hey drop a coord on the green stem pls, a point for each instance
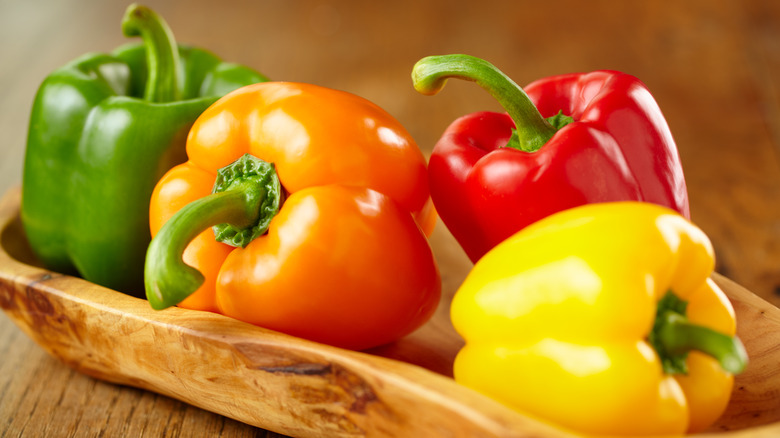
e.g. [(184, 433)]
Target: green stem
[(247, 195), (679, 336), (673, 336), (167, 278), (162, 53), (532, 131)]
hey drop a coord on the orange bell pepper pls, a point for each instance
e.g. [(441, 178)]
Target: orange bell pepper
[(327, 243)]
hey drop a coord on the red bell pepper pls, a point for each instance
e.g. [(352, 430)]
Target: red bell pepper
[(565, 141)]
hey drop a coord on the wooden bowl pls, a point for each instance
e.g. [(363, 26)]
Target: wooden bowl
[(301, 388)]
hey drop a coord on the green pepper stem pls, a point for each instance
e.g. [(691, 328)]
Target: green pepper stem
[(430, 74), (168, 280), (247, 194), (162, 54), (673, 336), (679, 336)]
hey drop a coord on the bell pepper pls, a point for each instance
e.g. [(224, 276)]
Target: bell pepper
[(601, 319), (104, 128), (564, 141), (319, 205)]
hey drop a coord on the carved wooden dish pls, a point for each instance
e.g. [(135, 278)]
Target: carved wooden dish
[(300, 388)]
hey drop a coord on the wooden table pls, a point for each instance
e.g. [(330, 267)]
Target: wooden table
[(713, 66)]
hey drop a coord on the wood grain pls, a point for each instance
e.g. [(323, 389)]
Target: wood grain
[(713, 66)]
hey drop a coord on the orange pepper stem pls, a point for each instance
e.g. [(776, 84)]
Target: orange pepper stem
[(532, 130), (673, 336), (162, 53), (246, 196)]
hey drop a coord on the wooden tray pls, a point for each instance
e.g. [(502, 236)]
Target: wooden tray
[(300, 388)]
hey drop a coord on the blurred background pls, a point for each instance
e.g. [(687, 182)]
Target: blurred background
[(712, 65)]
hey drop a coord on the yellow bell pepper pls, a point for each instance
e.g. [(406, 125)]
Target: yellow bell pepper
[(601, 319)]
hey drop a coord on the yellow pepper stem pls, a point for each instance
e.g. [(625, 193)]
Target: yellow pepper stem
[(673, 336), (679, 336)]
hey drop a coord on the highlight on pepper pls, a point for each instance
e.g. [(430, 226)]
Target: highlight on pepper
[(601, 319), (564, 141), (301, 209)]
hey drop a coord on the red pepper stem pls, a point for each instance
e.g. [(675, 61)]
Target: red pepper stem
[(162, 53), (430, 74), (247, 195)]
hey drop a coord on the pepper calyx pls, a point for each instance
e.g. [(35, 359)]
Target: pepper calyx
[(249, 171), (670, 308), (559, 120)]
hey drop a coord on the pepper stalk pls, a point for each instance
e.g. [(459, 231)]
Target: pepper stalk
[(673, 336), (162, 53), (532, 130), (247, 194)]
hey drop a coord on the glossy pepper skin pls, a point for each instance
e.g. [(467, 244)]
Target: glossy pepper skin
[(104, 128), (491, 174), (602, 319), (329, 201)]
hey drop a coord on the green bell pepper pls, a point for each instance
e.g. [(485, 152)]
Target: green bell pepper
[(103, 130)]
